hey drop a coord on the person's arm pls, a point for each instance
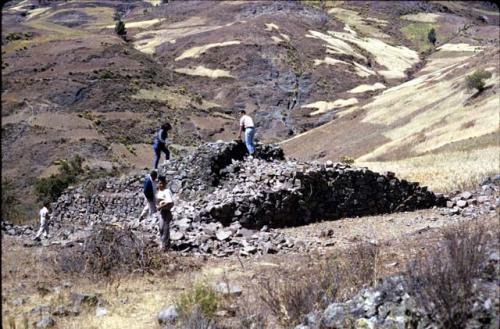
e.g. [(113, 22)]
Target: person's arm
[(167, 202), (241, 128)]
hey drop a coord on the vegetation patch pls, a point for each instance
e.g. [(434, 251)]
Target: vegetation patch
[(418, 33)]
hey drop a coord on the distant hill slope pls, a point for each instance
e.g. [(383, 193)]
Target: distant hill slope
[(70, 85)]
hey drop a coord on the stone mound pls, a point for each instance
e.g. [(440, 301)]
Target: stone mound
[(227, 203)]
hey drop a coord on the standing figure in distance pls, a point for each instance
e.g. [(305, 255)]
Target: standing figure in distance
[(165, 204), (159, 143), (44, 222), (246, 125), (149, 190)]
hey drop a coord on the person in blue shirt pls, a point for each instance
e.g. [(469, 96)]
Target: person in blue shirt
[(149, 190), (160, 143)]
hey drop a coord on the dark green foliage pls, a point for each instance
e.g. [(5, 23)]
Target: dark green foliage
[(432, 36), (50, 188), (120, 29), (10, 202), (476, 80)]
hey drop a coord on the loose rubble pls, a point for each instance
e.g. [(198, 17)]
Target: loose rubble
[(389, 305), (228, 204)]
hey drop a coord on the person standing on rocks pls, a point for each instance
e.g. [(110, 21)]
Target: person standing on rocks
[(149, 191), (160, 143), (165, 204), (44, 222), (246, 125)]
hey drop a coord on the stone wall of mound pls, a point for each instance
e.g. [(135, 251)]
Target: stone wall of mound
[(216, 184)]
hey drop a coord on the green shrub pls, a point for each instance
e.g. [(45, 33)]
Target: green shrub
[(10, 202), (476, 79), (120, 29), (347, 160), (431, 36), (202, 297), (50, 188)]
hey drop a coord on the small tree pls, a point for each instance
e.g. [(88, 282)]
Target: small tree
[(476, 80), (431, 36), (120, 29)]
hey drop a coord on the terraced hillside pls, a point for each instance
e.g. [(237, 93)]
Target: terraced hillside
[(72, 86)]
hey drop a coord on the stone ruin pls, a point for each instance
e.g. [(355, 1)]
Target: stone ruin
[(227, 203)]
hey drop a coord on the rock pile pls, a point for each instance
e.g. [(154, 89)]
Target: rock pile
[(225, 203), (389, 305)]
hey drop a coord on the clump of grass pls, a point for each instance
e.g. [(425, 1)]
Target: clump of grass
[(289, 294), (200, 300), (443, 282), (418, 34), (476, 80), (109, 251), (347, 160)]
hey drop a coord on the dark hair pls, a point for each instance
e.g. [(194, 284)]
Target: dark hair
[(243, 111), (166, 126), (162, 179), (153, 174)]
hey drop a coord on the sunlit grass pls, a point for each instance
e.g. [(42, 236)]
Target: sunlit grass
[(447, 171)]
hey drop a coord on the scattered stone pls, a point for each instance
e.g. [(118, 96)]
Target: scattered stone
[(466, 195), (100, 311), (462, 203), (228, 289), (168, 315), (46, 322), (223, 234)]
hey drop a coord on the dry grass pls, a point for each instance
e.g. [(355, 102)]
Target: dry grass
[(417, 33), (195, 52), (352, 18), (422, 17), (446, 171), (202, 71), (289, 293), (364, 88), (324, 106), (443, 281), (396, 60)]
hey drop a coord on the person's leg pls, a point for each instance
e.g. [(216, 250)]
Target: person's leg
[(46, 229), (165, 150), (145, 210), (151, 207), (249, 134), (41, 229), (157, 151)]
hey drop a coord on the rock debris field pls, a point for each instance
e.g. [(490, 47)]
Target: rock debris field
[(228, 204)]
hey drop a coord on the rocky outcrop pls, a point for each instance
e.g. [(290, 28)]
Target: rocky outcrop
[(226, 203), (216, 184)]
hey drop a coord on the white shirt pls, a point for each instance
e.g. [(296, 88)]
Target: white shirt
[(246, 121), (164, 196), (43, 213)]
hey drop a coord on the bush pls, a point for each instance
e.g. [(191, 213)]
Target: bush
[(443, 282), (290, 294), (347, 160), (202, 299), (109, 250), (120, 29), (10, 202), (50, 188), (476, 80), (431, 36)]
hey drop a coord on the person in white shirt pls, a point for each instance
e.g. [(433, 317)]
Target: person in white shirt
[(246, 125), (164, 206), (44, 222)]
